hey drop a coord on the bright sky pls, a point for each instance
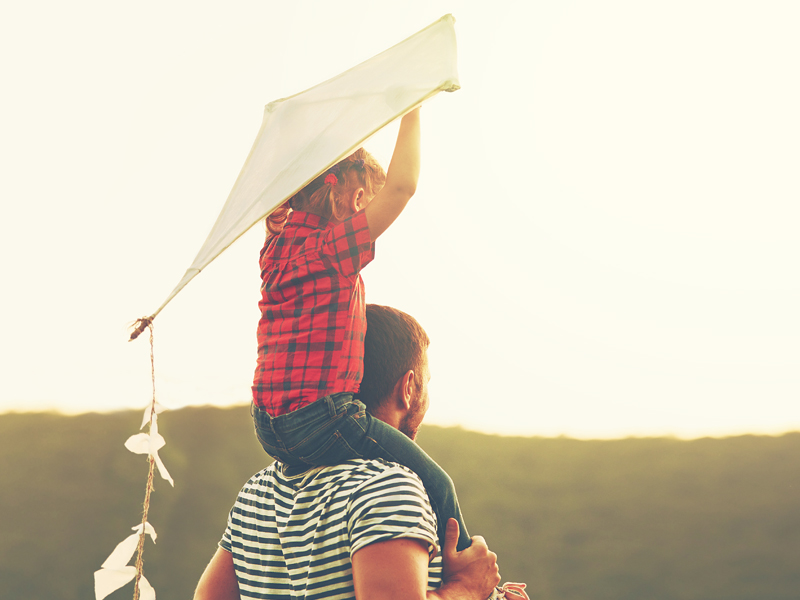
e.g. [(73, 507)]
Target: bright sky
[(603, 243)]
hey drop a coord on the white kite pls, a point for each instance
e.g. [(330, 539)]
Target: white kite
[(305, 134)]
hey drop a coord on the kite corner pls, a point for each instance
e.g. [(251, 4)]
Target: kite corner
[(273, 105), (451, 85)]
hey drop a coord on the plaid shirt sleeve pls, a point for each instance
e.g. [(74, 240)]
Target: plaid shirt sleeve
[(348, 245)]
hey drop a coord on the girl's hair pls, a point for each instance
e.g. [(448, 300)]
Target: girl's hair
[(328, 194)]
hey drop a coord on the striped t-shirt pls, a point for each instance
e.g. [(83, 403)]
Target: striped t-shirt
[(293, 537)]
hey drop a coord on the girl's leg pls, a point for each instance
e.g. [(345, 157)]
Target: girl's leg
[(384, 441), (338, 428)]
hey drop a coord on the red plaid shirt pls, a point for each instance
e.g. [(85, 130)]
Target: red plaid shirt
[(313, 315)]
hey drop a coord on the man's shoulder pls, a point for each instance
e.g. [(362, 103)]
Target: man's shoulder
[(355, 470), (356, 480), (376, 476)]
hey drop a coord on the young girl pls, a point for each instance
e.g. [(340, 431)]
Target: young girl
[(313, 319)]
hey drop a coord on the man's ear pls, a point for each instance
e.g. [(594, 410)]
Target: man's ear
[(407, 386)]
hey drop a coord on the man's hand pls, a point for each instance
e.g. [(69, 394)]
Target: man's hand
[(471, 573)]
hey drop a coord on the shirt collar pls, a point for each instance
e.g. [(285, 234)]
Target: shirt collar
[(299, 218)]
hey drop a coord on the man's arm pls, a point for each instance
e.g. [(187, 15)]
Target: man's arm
[(218, 581), (395, 569), (398, 569)]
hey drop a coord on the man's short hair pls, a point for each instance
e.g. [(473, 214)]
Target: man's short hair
[(394, 344)]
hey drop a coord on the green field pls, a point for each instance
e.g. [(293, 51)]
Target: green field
[(638, 519)]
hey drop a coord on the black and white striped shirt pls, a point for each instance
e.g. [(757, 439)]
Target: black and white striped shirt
[(293, 537)]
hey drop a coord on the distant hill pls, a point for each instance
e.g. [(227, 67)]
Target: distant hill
[(638, 519)]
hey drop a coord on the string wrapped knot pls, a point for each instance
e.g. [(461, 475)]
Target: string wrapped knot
[(139, 326)]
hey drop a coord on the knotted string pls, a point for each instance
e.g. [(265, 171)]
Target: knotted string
[(145, 322), (139, 327)]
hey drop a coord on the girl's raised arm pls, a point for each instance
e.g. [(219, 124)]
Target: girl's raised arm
[(401, 178)]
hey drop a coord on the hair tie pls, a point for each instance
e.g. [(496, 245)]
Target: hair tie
[(359, 162), (331, 179)]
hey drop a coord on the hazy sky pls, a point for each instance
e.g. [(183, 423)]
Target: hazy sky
[(603, 242)]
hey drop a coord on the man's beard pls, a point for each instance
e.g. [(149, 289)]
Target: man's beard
[(409, 425)]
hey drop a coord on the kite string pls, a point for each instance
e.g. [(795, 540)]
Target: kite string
[(151, 460)]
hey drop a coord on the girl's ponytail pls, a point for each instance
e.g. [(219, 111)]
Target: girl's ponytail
[(277, 219)]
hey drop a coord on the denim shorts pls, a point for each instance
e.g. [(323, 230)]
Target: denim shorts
[(326, 432)]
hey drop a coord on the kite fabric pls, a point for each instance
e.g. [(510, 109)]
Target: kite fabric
[(303, 135)]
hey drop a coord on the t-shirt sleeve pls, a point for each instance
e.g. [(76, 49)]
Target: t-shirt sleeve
[(234, 528), (226, 543), (392, 505), (348, 245)]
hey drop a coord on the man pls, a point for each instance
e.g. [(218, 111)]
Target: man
[(362, 528)]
